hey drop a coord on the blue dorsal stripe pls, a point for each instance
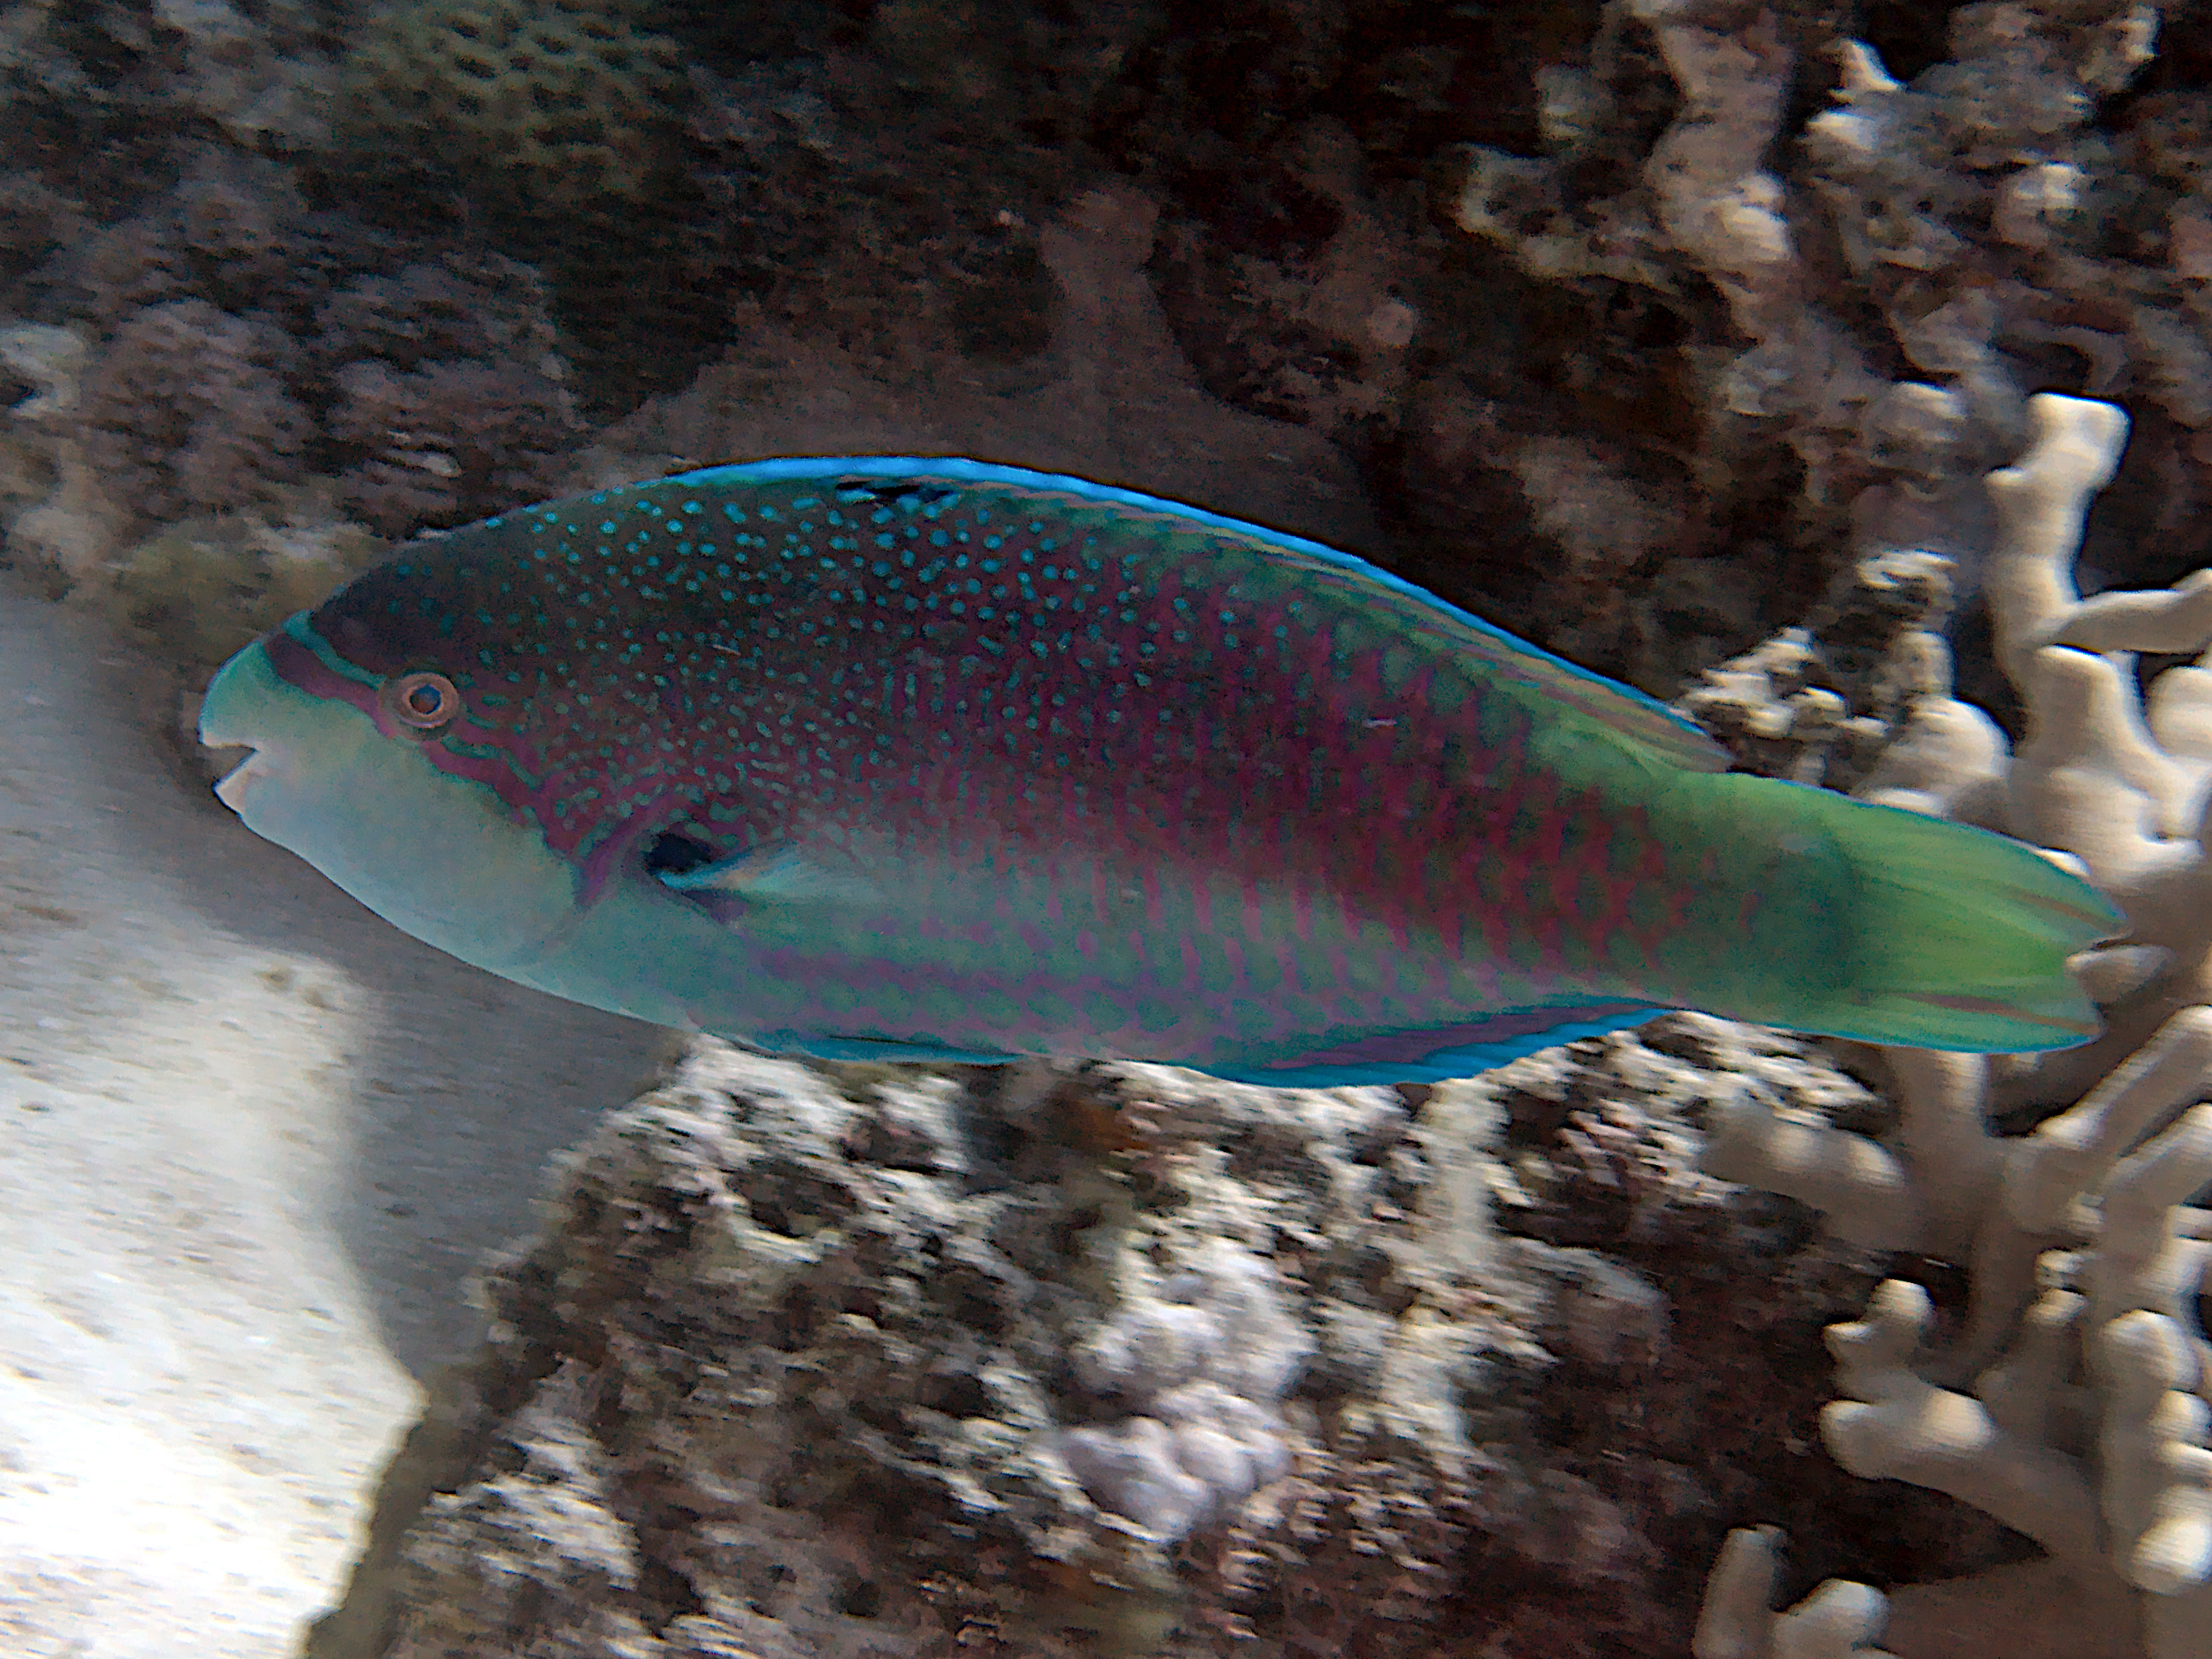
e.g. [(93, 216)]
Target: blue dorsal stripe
[(1678, 738)]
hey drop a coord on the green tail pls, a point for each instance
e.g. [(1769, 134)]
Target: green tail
[(1889, 927)]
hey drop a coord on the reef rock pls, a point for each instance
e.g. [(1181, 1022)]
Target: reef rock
[(817, 1360)]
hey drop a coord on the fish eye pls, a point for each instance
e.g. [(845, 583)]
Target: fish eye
[(423, 700)]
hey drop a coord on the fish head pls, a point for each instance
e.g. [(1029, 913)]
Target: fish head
[(380, 745)]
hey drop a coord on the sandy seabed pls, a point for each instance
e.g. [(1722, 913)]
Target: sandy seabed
[(251, 1142)]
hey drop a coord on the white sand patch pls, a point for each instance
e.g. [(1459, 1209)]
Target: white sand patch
[(251, 1141)]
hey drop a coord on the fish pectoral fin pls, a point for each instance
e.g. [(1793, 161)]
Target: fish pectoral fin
[(771, 875)]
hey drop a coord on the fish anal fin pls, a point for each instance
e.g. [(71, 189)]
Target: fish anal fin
[(817, 1045), (1439, 1054)]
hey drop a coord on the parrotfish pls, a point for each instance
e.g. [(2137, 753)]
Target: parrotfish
[(887, 757)]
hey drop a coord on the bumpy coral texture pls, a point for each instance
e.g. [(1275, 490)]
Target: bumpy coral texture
[(195, 591), (91, 85), (1821, 702), (190, 412), (819, 1360), (252, 343), (255, 350), (448, 442), (449, 399), (1725, 305), (575, 96), (60, 516), (2084, 1337), (236, 232), (1201, 1357), (434, 311)]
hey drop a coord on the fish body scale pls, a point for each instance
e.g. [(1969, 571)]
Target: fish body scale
[(1125, 781), (886, 755)]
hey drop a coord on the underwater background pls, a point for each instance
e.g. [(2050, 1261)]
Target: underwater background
[(1678, 336)]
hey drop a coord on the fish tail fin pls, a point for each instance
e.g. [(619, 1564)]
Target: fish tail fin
[(1914, 931)]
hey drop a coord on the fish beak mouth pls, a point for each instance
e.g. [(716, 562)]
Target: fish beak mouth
[(233, 723), (231, 787)]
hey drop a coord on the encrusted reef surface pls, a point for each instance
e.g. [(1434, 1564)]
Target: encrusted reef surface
[(1679, 334), (814, 1360), (1637, 322), (1117, 1360)]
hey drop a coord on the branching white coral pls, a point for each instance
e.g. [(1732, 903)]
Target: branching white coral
[(1838, 1621), (2087, 1422)]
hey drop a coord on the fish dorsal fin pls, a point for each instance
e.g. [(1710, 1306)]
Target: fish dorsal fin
[(1618, 709), (928, 485)]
